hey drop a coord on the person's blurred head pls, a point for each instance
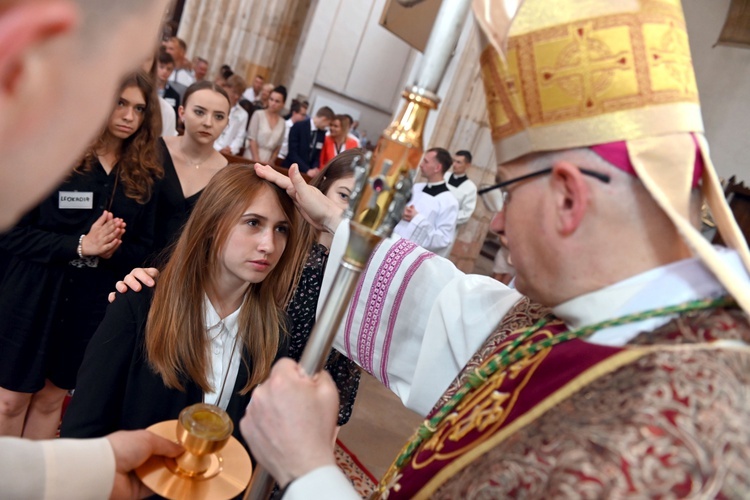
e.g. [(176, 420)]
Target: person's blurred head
[(298, 111), (235, 86), (276, 99), (265, 93), (323, 117), (349, 121), (205, 112), (461, 162), (89, 46), (258, 82), (339, 127), (164, 67), (200, 69), (336, 180), (177, 48), (435, 163), (223, 75)]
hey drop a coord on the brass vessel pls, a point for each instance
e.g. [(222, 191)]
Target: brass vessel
[(214, 466)]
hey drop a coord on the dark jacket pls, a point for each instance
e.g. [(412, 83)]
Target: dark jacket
[(118, 390), (46, 299), (304, 145)]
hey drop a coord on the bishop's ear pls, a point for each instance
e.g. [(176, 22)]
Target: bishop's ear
[(571, 196), (24, 26)]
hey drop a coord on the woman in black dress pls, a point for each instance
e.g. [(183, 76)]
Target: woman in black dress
[(210, 329), (65, 253), (190, 160)]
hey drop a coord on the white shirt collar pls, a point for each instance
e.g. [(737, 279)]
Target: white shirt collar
[(213, 320), (668, 285), (431, 184)]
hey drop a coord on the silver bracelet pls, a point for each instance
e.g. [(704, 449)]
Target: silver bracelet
[(80, 246)]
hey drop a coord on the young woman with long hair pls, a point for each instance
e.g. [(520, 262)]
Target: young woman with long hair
[(215, 324), (311, 253), (65, 253), (267, 128), (190, 160)]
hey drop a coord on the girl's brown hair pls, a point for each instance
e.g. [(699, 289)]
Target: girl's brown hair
[(204, 85), (177, 345), (138, 164)]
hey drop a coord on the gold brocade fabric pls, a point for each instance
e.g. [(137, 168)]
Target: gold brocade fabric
[(521, 316), (591, 80), (672, 424)]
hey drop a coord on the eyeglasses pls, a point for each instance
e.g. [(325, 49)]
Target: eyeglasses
[(495, 197)]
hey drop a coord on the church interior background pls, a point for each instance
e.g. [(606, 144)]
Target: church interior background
[(336, 53)]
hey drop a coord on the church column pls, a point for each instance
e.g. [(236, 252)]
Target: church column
[(252, 36), (462, 123)]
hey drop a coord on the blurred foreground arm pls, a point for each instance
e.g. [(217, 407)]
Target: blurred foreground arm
[(290, 425), (79, 468)]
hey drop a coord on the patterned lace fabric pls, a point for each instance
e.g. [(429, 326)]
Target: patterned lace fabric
[(671, 425), (301, 313)]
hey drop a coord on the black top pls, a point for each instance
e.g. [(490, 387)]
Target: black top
[(457, 181), (48, 294), (435, 189), (173, 98), (117, 390), (173, 209), (304, 146), (301, 312)]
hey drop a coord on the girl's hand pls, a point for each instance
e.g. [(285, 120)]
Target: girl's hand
[(135, 280), (121, 230), (314, 206), (103, 236)]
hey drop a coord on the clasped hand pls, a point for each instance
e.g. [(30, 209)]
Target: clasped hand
[(104, 237)]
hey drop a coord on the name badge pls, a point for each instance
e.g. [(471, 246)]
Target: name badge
[(319, 145), (76, 199)]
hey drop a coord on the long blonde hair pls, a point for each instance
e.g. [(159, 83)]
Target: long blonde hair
[(177, 347)]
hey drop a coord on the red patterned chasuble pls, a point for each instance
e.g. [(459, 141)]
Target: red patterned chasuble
[(664, 416)]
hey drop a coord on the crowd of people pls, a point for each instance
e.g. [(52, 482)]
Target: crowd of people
[(143, 195), (262, 137), (617, 366)]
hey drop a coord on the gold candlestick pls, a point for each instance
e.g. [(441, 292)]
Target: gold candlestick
[(214, 465)]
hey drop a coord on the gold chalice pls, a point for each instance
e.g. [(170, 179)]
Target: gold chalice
[(214, 465)]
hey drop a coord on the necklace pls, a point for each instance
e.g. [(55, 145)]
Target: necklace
[(512, 354), (195, 163)]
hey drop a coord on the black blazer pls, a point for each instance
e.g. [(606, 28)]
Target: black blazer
[(300, 139), (117, 390)]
